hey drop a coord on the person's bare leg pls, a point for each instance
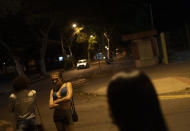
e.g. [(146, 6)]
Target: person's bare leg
[(59, 126), (70, 127)]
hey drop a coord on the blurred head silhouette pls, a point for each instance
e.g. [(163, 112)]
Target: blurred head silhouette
[(21, 82), (133, 103)]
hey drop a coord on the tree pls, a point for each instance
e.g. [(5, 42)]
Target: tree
[(67, 37), (8, 8), (15, 19), (91, 41), (16, 38), (41, 23), (82, 37), (86, 36)]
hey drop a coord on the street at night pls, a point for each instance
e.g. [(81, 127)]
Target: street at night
[(118, 65), (92, 107)]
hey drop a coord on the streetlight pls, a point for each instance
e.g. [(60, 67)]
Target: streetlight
[(107, 47), (76, 29), (74, 25), (91, 36)]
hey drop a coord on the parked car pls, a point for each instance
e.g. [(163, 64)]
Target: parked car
[(82, 64)]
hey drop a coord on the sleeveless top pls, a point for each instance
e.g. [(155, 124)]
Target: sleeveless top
[(62, 113), (22, 104), (63, 93)]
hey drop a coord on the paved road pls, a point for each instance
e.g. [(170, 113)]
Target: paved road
[(94, 114), (93, 110), (177, 113)]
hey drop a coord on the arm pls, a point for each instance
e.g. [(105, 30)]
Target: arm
[(59, 91), (12, 98), (68, 96), (51, 102)]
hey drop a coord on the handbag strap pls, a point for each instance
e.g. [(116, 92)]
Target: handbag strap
[(73, 104)]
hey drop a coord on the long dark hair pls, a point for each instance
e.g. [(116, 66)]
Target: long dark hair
[(134, 104)]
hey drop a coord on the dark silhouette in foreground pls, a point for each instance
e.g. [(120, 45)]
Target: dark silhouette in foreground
[(134, 104)]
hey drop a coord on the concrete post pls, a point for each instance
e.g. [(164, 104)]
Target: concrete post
[(164, 49)]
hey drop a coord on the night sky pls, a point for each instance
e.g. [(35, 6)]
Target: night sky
[(167, 14), (170, 14), (130, 16)]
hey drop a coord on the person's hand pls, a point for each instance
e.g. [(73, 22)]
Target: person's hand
[(53, 105)]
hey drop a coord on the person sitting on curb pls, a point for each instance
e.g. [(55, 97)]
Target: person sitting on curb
[(22, 103), (133, 103)]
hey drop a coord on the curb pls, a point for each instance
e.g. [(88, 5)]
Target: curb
[(159, 94), (183, 89)]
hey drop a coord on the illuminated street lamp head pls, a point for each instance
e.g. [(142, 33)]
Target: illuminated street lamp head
[(74, 25), (91, 36), (106, 47)]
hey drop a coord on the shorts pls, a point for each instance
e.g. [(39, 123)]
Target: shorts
[(26, 125), (64, 116)]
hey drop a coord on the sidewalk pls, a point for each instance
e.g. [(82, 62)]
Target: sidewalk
[(166, 78), (162, 85)]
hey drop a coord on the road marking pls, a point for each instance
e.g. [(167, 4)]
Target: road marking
[(175, 96)]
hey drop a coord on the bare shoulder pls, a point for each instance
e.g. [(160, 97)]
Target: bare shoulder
[(63, 85), (32, 93), (51, 91), (12, 96), (69, 83)]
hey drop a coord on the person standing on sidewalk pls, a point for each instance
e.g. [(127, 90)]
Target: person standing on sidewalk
[(60, 100), (22, 104), (133, 103)]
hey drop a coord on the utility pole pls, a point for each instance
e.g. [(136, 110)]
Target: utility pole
[(108, 48), (187, 34), (63, 51), (151, 14)]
